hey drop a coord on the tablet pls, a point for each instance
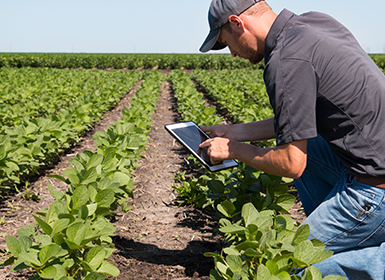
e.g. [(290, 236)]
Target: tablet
[(191, 136)]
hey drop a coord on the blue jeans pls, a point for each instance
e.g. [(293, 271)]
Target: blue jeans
[(347, 216)]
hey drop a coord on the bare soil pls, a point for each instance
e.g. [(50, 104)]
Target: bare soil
[(156, 239)]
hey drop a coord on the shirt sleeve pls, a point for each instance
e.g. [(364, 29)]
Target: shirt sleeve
[(292, 89)]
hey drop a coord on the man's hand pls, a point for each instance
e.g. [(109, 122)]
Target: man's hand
[(218, 149)]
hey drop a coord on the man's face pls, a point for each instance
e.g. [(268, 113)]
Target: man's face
[(242, 44)]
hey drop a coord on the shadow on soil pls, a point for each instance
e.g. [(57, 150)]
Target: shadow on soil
[(191, 258)]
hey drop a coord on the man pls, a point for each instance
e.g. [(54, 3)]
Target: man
[(328, 99)]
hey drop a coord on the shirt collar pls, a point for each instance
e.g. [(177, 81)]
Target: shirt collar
[(275, 31)]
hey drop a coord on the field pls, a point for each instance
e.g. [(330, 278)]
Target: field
[(85, 158)]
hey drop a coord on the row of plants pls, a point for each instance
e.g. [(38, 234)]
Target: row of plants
[(379, 59), (134, 61), (38, 92), (120, 61), (262, 241), (78, 100), (249, 82), (239, 105), (71, 239)]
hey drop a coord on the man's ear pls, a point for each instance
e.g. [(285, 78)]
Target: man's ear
[(237, 21)]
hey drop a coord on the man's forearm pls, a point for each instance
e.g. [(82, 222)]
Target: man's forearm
[(255, 131), (288, 160)]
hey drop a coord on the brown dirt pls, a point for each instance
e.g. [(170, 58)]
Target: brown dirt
[(157, 239)]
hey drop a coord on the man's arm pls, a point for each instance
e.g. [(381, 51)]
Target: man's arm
[(288, 160), (254, 131)]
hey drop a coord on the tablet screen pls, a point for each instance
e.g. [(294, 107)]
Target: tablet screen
[(191, 136)]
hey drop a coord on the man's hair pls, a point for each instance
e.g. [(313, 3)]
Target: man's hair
[(255, 10)]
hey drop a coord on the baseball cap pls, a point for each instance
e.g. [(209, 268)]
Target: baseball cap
[(219, 13)]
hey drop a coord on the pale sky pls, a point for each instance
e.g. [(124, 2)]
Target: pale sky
[(173, 26)]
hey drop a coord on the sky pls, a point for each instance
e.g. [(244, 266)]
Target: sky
[(149, 26)]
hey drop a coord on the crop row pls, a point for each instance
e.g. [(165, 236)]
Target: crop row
[(120, 61), (262, 242), (44, 111), (240, 103), (72, 238), (134, 61)]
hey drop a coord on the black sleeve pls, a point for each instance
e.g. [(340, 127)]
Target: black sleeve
[(292, 88)]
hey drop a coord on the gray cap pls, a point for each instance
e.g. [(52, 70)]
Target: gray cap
[(219, 13)]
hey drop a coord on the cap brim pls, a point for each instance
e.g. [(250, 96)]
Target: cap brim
[(211, 42)]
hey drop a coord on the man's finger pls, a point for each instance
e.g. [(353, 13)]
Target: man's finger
[(205, 144)]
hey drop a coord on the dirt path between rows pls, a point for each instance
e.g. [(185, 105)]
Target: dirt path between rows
[(157, 239)]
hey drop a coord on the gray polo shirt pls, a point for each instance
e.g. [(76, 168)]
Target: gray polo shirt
[(320, 81)]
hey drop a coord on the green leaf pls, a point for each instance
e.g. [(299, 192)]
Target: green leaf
[(272, 267), (48, 272), (95, 256), (13, 246), (59, 177), (61, 272), (90, 176), (73, 176), (306, 253), (264, 223), (214, 275), (249, 213), (91, 208), (2, 152), (43, 239), (211, 254), (223, 268), (247, 244), (105, 198), (95, 160), (285, 201), (94, 276), (86, 266), (83, 212), (253, 253), (251, 232), (56, 194), (284, 275), (312, 273), (318, 244), (30, 258), (44, 226), (51, 251), (59, 225), (301, 234), (75, 235), (263, 272), (80, 197), (209, 110), (334, 277), (226, 208), (123, 178), (283, 222), (234, 262), (25, 231), (25, 243), (233, 229), (109, 269)]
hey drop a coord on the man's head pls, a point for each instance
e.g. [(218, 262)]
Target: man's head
[(219, 13)]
